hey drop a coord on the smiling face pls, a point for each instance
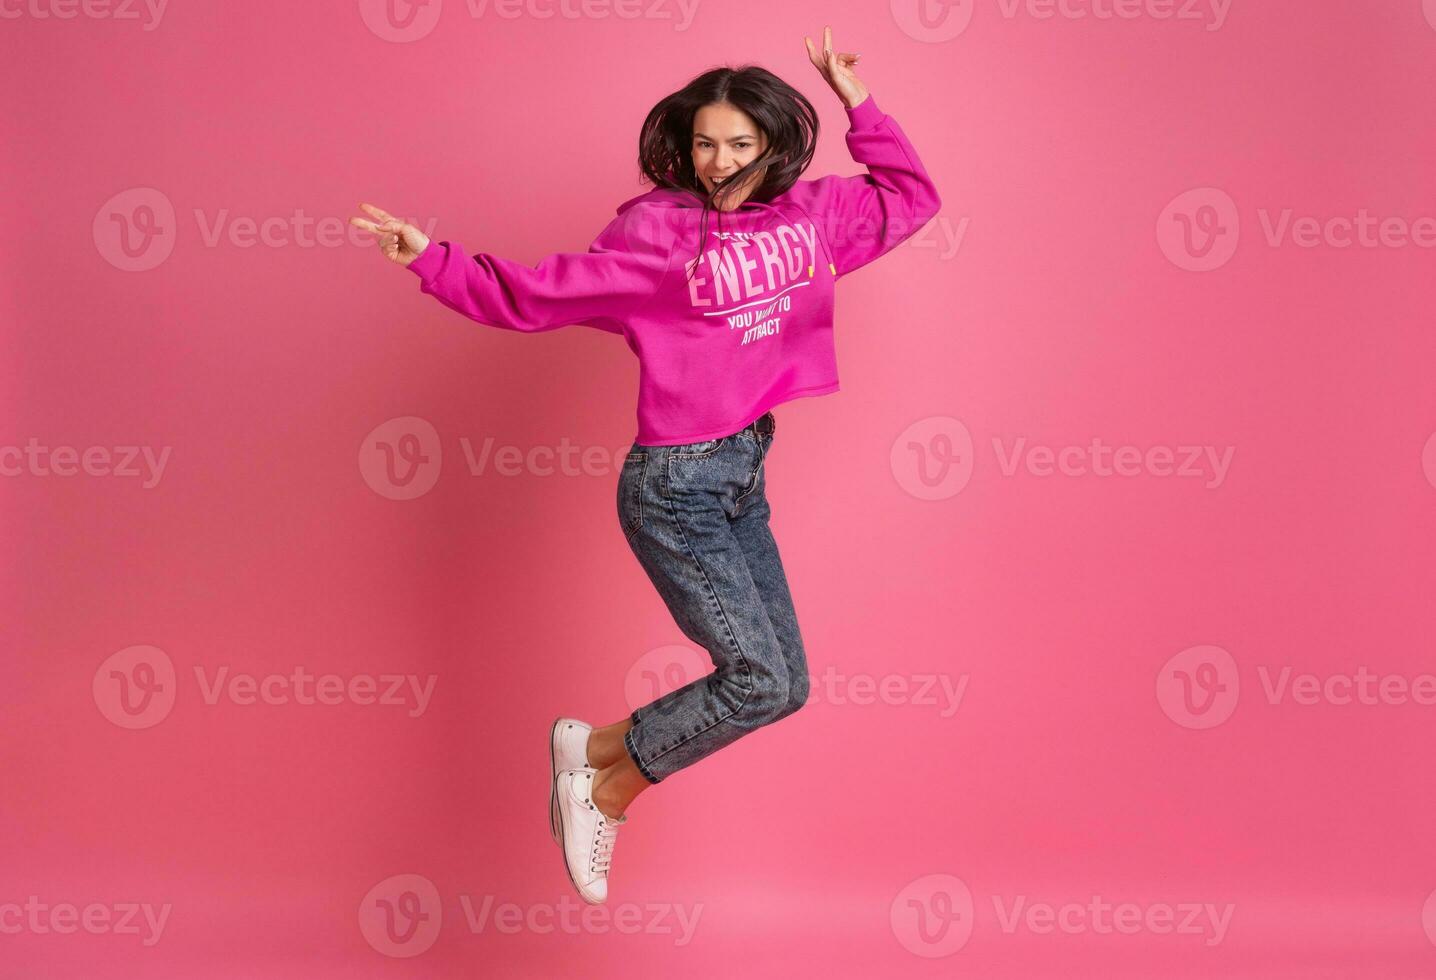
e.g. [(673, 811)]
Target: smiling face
[(724, 140)]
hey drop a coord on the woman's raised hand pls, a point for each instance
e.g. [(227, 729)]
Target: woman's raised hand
[(398, 240), (837, 69)]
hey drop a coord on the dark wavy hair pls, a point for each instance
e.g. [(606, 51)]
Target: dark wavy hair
[(786, 117)]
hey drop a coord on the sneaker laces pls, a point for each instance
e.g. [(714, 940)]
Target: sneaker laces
[(603, 842)]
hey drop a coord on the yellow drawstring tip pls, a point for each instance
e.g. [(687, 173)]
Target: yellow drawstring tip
[(810, 272), (832, 268)]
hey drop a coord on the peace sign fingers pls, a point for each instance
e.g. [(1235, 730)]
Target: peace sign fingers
[(837, 68)]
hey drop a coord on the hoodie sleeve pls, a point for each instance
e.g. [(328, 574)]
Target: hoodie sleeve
[(599, 287), (868, 215)]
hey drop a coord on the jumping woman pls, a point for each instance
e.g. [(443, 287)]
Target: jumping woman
[(728, 318)]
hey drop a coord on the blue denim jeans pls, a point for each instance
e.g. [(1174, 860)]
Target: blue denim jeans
[(696, 516)]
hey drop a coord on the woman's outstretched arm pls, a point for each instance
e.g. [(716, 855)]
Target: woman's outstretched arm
[(599, 287)]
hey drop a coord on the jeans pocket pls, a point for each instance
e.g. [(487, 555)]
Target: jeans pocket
[(630, 493), (694, 449)]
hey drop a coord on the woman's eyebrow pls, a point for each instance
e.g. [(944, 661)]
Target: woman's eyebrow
[(734, 139)]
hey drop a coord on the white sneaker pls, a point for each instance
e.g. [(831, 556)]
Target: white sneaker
[(588, 835), (567, 749)]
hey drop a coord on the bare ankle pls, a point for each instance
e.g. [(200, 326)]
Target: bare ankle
[(605, 745), (608, 803)]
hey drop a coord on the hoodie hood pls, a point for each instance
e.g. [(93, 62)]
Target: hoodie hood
[(663, 197)]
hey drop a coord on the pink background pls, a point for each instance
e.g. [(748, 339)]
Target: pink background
[(1070, 608)]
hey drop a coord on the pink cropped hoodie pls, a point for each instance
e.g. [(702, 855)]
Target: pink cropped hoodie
[(727, 331)]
